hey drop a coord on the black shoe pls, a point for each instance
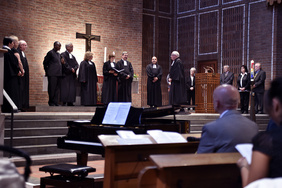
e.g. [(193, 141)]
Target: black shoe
[(260, 112), (51, 104), (70, 104), (56, 104)]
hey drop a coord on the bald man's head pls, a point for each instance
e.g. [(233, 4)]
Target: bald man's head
[(225, 97)]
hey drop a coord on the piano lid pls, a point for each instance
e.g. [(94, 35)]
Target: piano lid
[(136, 115)]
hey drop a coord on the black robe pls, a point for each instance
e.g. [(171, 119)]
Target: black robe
[(177, 93), (24, 82), (68, 81), (88, 79), (124, 85), (11, 80), (154, 92), (109, 84)]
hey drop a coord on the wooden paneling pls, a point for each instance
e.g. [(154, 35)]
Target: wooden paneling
[(164, 53), (147, 53), (164, 6), (186, 41), (186, 5), (208, 32), (208, 3), (149, 4), (232, 39)]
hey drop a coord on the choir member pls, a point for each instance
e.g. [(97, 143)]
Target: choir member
[(154, 92), (88, 78)]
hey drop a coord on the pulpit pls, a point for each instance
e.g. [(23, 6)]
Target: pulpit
[(205, 84)]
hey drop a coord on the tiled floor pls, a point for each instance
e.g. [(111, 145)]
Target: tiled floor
[(36, 174)]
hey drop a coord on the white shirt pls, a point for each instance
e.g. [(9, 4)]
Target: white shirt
[(192, 79), (90, 63), (112, 64), (154, 66), (70, 55), (242, 76), (172, 63), (124, 63), (23, 54)]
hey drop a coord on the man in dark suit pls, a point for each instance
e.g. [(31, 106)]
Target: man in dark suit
[(226, 77), (258, 88), (223, 134), (53, 70), (11, 75), (190, 86)]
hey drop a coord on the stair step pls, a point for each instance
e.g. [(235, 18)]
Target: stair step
[(40, 131), (36, 123), (32, 140)]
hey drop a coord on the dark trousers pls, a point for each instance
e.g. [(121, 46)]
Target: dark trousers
[(258, 102), (244, 99), (191, 96), (53, 89)]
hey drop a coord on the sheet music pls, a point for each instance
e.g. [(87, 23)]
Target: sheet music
[(116, 113), (133, 141), (162, 137), (246, 151), (126, 134)]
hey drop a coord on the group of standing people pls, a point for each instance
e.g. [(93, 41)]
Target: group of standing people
[(16, 73), (61, 72), (244, 86)]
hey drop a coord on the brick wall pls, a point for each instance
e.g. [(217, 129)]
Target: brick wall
[(40, 23)]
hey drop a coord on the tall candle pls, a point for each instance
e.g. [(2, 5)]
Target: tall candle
[(252, 70), (105, 54)]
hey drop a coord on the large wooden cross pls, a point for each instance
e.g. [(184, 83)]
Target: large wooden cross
[(88, 37)]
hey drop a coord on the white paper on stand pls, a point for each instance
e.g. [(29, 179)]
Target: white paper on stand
[(163, 137)]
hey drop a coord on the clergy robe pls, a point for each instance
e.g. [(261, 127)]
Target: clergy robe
[(88, 78), (68, 82), (24, 81), (154, 92), (124, 85), (11, 80), (177, 93), (109, 83)]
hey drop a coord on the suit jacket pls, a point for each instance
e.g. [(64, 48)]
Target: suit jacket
[(259, 82), (245, 81), (223, 134), (52, 63), (226, 79), (188, 83)]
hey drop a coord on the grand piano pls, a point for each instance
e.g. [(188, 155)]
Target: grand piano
[(82, 136)]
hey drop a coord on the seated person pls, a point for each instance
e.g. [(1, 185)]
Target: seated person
[(267, 149), (223, 134)]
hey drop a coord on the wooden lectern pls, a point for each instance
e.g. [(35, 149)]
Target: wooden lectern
[(124, 162), (205, 84)]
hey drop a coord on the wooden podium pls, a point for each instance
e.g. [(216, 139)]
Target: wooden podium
[(205, 84)]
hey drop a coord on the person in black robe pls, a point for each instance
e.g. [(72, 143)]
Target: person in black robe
[(53, 70), (68, 82), (110, 81), (11, 72), (190, 87), (125, 78), (177, 93), (243, 84), (88, 78), (24, 79), (154, 91)]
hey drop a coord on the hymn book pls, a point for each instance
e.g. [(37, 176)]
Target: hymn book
[(246, 151)]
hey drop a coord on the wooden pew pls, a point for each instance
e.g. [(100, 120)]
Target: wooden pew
[(192, 170), (124, 162)]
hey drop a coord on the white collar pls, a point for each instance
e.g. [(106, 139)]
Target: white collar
[(222, 114), (7, 47)]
